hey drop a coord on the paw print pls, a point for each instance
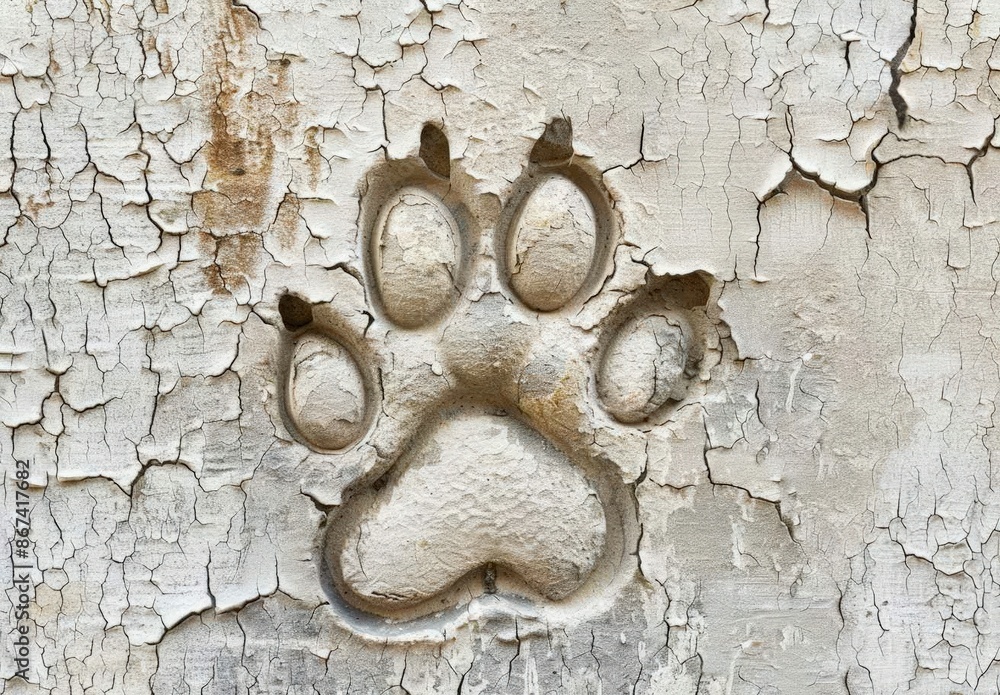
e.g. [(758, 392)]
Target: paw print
[(499, 432)]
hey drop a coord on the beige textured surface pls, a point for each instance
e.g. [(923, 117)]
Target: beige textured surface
[(220, 365), (552, 243), (480, 489)]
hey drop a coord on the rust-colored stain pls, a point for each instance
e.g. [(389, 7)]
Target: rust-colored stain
[(34, 205), (166, 62), (236, 257), (234, 260), (314, 160), (213, 277), (288, 222), (558, 408), (247, 109), (250, 111)]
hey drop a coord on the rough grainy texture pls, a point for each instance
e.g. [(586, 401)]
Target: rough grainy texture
[(415, 258), (479, 490), (551, 244), (326, 395), (643, 368), (313, 334)]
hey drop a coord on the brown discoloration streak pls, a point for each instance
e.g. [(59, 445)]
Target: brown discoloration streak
[(250, 111), (288, 222), (558, 408), (233, 260), (236, 257), (314, 159), (207, 245), (166, 62)]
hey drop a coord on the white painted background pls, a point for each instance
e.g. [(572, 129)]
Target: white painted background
[(821, 518)]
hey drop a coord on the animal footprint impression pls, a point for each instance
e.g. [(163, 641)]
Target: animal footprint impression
[(499, 431)]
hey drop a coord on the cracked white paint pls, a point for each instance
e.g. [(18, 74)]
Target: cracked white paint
[(811, 509), (551, 245)]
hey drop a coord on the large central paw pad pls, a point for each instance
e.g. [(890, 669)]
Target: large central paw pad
[(488, 415), (478, 489)]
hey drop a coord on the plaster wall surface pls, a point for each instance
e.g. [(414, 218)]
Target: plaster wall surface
[(526, 347)]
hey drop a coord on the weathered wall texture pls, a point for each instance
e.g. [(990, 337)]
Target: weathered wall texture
[(520, 347)]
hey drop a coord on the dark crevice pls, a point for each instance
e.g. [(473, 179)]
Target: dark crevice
[(898, 102), (295, 312), (555, 146), (434, 150)]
